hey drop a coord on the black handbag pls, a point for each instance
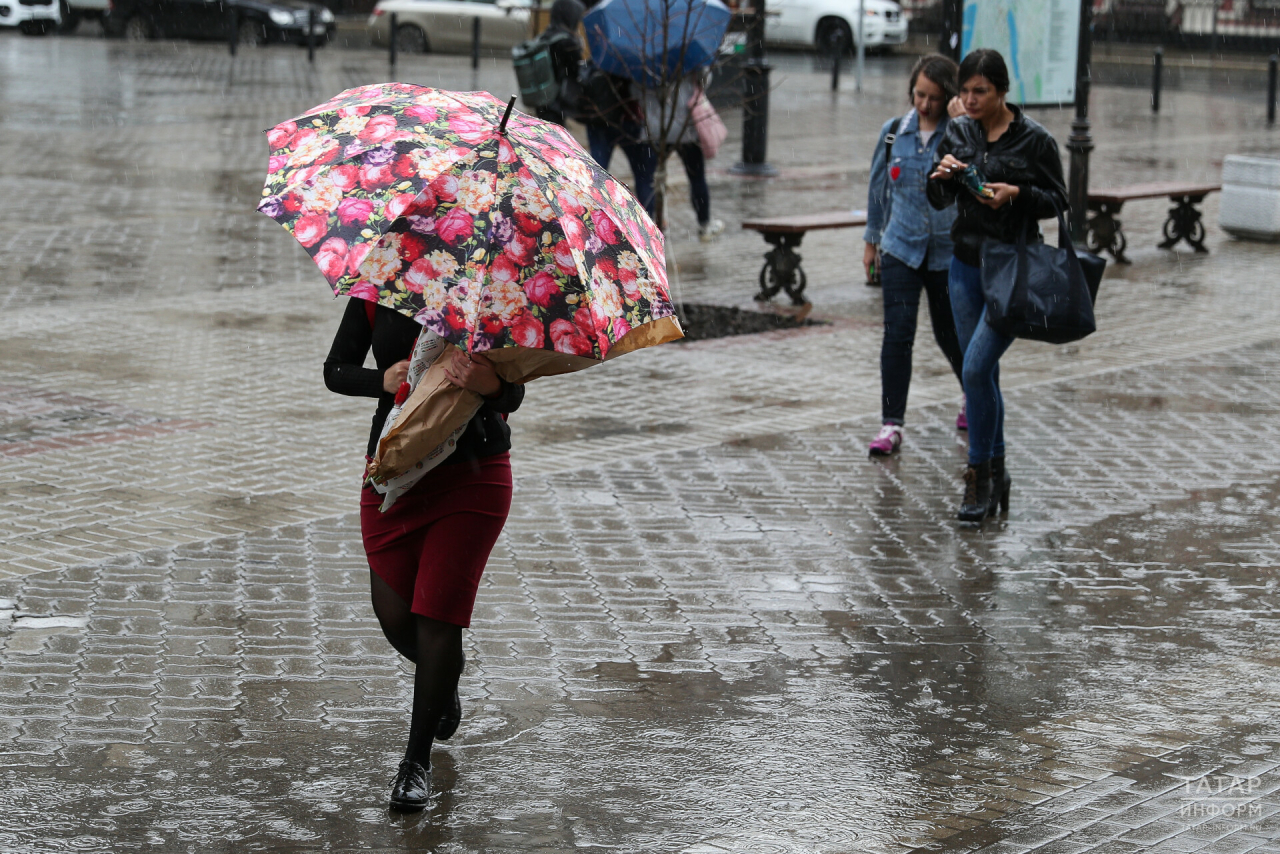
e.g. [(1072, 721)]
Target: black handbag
[(1041, 292)]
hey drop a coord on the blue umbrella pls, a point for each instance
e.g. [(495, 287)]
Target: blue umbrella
[(650, 41)]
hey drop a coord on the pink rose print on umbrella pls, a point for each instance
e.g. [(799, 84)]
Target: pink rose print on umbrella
[(375, 177), (471, 130), (565, 262), (526, 331), (426, 115), (379, 129), (331, 258), (398, 206), (502, 270), (521, 249), (542, 289), (604, 226), (354, 211), (419, 275), (344, 177), (568, 339), (445, 188), (364, 290), (355, 257), (281, 135), (455, 226), (310, 228)]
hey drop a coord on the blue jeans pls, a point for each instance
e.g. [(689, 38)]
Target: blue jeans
[(603, 139), (982, 347), (901, 286), (695, 166)]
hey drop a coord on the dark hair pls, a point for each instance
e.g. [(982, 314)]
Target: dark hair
[(567, 14), (987, 63), (939, 69)]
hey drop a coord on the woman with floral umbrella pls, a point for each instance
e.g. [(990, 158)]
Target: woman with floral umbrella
[(497, 233)]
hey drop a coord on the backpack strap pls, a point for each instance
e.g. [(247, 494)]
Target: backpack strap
[(889, 138)]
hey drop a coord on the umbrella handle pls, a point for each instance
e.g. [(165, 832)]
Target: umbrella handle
[(502, 128)]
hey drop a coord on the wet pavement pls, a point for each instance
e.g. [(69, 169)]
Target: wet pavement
[(712, 625)]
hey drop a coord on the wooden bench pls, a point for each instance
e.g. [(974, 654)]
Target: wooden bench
[(1104, 231), (782, 270)]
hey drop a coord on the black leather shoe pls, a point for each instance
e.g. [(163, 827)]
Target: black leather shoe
[(411, 792), (448, 723)]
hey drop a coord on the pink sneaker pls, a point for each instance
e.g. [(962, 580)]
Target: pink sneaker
[(962, 420), (887, 442)]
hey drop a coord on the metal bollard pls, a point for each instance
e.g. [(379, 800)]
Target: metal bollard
[(311, 35), (835, 68), (1271, 88), (475, 43), (391, 49), (233, 26), (1157, 72)]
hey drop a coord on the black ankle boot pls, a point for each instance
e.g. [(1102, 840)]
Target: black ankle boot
[(977, 493), (1000, 484)]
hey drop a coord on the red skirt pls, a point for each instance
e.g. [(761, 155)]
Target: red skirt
[(432, 545)]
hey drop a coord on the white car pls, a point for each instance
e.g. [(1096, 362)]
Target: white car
[(445, 26), (36, 18), (831, 25)]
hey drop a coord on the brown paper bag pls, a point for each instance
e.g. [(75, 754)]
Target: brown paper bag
[(435, 409)]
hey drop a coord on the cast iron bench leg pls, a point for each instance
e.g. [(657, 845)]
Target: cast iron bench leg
[(1103, 231), (781, 270), (1184, 223)]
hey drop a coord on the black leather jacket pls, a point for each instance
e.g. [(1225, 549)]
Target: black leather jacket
[(1026, 155)]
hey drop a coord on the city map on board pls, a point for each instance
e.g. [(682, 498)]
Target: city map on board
[(1038, 39)]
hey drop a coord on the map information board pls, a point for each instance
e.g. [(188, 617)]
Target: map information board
[(1038, 40)]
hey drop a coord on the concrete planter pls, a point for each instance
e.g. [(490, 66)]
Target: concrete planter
[(1251, 197)]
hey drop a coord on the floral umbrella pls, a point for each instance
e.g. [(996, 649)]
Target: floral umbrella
[(494, 230)]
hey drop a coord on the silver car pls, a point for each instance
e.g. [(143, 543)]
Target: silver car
[(446, 25)]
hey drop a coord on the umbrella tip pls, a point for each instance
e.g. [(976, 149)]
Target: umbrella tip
[(502, 128)]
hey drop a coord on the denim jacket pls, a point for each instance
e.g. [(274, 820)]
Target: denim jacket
[(899, 216)]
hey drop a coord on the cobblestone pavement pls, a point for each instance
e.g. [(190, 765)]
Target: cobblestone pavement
[(712, 625)]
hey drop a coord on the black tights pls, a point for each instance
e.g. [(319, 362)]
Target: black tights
[(435, 648)]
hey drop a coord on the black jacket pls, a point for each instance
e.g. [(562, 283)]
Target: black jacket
[(1026, 155), (391, 339)]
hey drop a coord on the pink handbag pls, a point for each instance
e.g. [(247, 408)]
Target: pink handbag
[(711, 130)]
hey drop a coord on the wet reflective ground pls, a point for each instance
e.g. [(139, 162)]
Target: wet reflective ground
[(712, 625)]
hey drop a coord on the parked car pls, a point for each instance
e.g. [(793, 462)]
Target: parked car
[(831, 25), (31, 17), (75, 11), (445, 25), (257, 21)]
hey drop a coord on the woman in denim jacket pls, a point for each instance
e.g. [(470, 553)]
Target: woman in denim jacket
[(911, 241)]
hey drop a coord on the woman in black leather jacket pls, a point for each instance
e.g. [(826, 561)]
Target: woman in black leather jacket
[(1021, 169)]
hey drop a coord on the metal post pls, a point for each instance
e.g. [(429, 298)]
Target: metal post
[(835, 67), (391, 50), (1080, 143), (862, 50), (233, 29), (311, 35), (1272, 65), (475, 42), (1157, 72), (952, 28), (755, 113)]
